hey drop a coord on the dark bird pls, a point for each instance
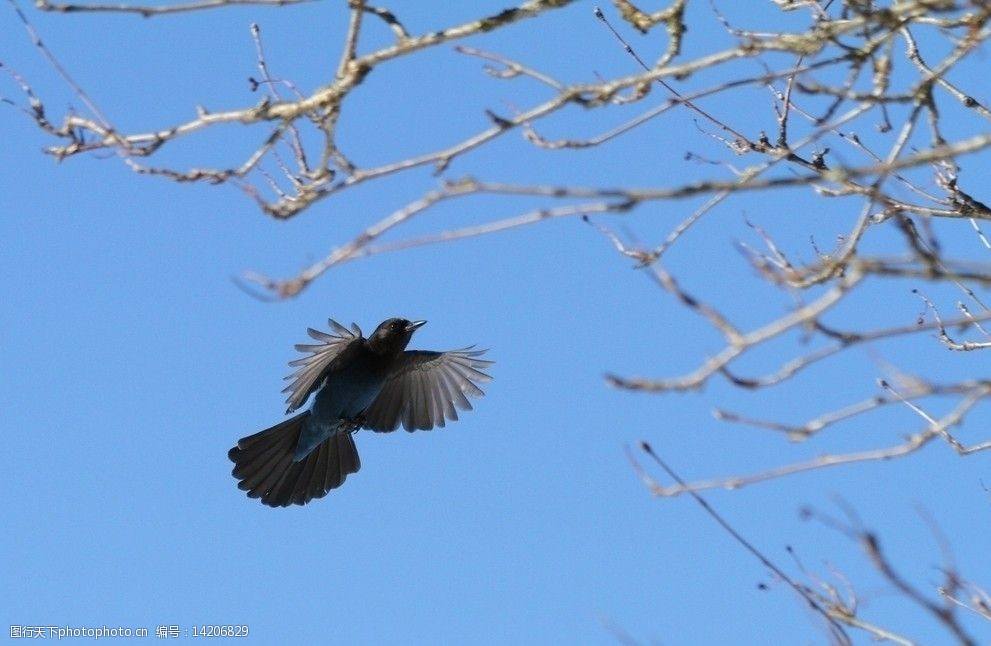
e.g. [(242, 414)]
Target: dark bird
[(372, 383)]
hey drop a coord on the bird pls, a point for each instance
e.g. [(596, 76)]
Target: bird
[(356, 383)]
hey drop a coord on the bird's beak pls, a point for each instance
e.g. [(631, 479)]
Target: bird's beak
[(415, 324)]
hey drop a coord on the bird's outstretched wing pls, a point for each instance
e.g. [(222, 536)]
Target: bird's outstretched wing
[(425, 388), (308, 376)]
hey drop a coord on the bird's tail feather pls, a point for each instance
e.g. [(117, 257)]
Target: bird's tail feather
[(264, 465)]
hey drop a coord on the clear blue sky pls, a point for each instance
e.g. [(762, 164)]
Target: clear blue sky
[(132, 362)]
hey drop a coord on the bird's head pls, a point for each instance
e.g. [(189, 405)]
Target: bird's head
[(392, 335)]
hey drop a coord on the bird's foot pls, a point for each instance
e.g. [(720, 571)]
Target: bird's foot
[(354, 424)]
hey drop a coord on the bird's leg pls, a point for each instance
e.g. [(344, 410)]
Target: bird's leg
[(354, 424)]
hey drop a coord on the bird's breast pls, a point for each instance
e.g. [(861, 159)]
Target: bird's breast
[(347, 396)]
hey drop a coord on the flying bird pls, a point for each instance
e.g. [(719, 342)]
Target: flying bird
[(373, 383)]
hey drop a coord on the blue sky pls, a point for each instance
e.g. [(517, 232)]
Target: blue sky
[(133, 362)]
